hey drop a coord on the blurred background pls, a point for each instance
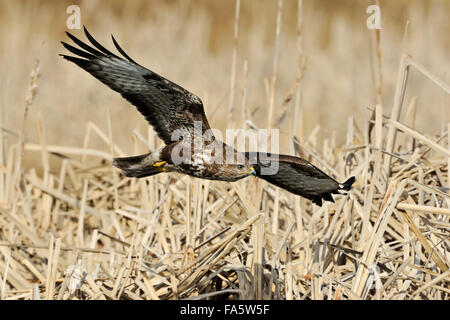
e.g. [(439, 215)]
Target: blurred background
[(191, 43)]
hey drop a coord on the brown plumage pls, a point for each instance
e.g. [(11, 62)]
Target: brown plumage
[(180, 121), (298, 176)]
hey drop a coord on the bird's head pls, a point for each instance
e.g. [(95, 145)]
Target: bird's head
[(235, 165), (234, 172)]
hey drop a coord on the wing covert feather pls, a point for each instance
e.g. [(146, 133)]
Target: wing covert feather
[(296, 175)]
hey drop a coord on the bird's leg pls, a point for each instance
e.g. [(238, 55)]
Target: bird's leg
[(159, 163)]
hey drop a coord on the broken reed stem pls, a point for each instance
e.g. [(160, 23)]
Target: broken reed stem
[(448, 161), (244, 112), (400, 88), (233, 63), (424, 209), (45, 160), (114, 172), (32, 90), (297, 127), (273, 82), (402, 77), (379, 63), (433, 145), (31, 93)]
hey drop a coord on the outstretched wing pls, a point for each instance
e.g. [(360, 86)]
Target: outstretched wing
[(297, 175), (164, 104)]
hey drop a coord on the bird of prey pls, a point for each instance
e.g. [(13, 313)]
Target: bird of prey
[(175, 114)]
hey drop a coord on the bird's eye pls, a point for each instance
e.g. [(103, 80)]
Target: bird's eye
[(240, 166)]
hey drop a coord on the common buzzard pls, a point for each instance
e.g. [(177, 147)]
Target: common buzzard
[(175, 114)]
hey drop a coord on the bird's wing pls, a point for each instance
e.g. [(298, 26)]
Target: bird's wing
[(164, 104), (297, 176)]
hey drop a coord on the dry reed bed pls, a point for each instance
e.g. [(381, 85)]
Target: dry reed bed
[(87, 233)]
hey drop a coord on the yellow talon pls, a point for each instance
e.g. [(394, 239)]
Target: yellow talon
[(159, 164)]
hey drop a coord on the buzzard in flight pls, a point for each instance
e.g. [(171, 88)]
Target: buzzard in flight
[(179, 119)]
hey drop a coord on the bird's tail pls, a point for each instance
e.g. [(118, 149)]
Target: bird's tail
[(134, 166), (347, 185)]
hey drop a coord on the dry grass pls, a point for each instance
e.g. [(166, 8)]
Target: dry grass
[(73, 220)]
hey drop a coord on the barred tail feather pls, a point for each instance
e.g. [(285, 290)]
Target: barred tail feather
[(133, 166), (347, 185)]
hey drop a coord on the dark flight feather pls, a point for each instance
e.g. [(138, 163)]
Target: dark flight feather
[(297, 176), (98, 45), (121, 50), (164, 104)]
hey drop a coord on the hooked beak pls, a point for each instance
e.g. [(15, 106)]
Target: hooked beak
[(252, 171)]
